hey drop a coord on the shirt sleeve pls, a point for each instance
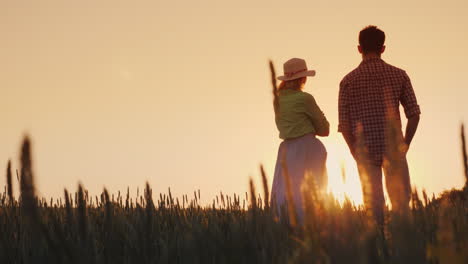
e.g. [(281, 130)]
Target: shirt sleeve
[(408, 98), (343, 110), (319, 121)]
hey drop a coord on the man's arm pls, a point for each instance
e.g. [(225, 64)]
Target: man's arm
[(412, 110), (344, 125), (411, 128)]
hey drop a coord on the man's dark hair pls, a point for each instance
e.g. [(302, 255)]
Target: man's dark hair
[(371, 39)]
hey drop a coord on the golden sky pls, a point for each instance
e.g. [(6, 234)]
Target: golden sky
[(177, 93)]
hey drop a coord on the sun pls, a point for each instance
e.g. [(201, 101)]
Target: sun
[(343, 177)]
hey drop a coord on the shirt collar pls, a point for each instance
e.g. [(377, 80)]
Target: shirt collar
[(288, 91), (371, 60)]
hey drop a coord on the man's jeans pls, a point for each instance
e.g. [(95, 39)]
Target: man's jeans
[(397, 182)]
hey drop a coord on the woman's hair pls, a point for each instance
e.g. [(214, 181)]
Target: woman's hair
[(295, 84)]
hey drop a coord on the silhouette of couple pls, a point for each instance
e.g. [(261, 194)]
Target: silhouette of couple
[(369, 120)]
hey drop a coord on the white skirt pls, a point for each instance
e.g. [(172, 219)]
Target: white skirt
[(305, 159)]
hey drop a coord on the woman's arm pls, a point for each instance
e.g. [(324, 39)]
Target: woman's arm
[(319, 121)]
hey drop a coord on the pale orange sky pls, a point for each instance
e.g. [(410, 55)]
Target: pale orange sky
[(116, 93)]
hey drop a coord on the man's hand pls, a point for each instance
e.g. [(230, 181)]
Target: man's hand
[(411, 128)]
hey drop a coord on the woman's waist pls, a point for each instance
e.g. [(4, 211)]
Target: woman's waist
[(297, 137), (295, 131), (308, 141)]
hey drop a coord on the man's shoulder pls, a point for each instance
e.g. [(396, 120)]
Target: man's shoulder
[(394, 69), (362, 70), (350, 77)]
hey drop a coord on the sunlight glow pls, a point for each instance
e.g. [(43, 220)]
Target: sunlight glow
[(343, 177)]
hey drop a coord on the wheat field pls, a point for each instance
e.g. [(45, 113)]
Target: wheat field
[(79, 228)]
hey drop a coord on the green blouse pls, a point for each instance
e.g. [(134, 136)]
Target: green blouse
[(299, 114)]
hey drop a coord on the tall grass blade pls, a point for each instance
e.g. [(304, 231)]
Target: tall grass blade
[(289, 194), (253, 196), (28, 195), (266, 189), (464, 154), (82, 215), (275, 87), (68, 208), (9, 184)]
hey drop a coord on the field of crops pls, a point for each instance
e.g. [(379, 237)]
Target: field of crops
[(78, 228)]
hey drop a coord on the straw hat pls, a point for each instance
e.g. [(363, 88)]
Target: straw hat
[(295, 68)]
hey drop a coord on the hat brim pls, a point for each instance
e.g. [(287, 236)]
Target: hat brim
[(310, 73)]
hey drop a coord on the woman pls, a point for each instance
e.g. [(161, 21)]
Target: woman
[(301, 156)]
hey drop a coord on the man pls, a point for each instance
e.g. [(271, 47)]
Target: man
[(369, 120)]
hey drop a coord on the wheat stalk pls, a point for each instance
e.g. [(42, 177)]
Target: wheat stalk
[(9, 184), (464, 155), (266, 189), (275, 87)]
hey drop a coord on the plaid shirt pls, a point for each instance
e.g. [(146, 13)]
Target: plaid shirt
[(367, 95)]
